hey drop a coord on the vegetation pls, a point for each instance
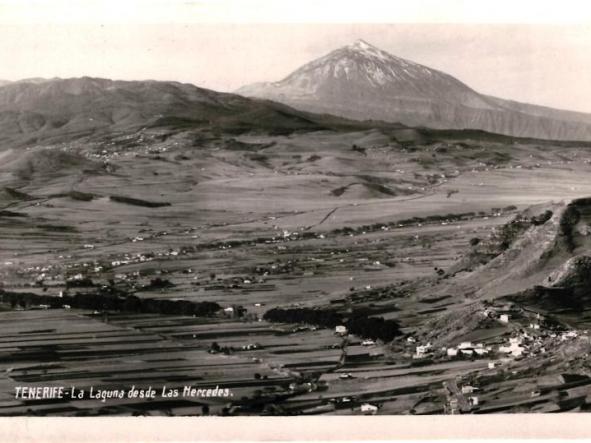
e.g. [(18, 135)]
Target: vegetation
[(542, 218), (511, 231), (364, 326), (569, 219), (137, 201), (105, 301)]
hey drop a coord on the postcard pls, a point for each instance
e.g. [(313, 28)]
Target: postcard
[(277, 220)]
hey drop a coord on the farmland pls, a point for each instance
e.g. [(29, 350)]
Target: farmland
[(438, 237)]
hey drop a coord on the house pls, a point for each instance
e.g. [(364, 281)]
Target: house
[(569, 334), (504, 318), (422, 350), (465, 345), (369, 409), (473, 401), (454, 406), (491, 365), (452, 352), (229, 310), (368, 343), (468, 389), (514, 348), (340, 330)]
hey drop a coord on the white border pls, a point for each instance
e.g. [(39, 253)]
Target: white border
[(291, 11), (563, 426)]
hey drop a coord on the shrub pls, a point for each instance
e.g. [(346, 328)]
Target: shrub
[(542, 218)]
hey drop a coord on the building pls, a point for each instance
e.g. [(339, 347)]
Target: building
[(569, 334), (422, 350), (340, 330), (468, 389), (504, 318), (369, 409), (229, 310), (514, 348)]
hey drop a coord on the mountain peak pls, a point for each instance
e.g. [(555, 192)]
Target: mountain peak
[(361, 44), (361, 47), (361, 81)]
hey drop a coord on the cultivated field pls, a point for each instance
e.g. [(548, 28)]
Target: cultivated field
[(444, 236)]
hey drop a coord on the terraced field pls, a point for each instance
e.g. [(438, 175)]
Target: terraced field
[(361, 226)]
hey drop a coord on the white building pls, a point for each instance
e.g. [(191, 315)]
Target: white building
[(422, 350), (468, 389), (569, 334), (504, 318), (369, 409), (340, 330), (514, 348)]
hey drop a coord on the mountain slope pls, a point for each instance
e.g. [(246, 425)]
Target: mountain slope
[(360, 81), (31, 111)]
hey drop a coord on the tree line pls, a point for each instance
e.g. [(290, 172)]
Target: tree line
[(111, 302), (362, 325)]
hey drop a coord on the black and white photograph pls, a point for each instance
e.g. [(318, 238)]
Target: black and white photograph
[(230, 217)]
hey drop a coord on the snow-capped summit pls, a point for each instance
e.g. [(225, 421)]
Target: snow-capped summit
[(363, 48), (361, 81), (361, 44), (360, 72)]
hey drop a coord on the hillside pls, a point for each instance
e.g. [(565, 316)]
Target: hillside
[(61, 109)]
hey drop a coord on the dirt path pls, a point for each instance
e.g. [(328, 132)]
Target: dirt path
[(332, 211)]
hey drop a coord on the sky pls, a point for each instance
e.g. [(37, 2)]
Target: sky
[(547, 62)]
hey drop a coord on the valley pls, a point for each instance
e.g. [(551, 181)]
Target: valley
[(332, 268)]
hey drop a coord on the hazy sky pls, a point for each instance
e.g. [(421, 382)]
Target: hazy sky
[(541, 64)]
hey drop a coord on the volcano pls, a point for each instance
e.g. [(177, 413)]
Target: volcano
[(363, 82)]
